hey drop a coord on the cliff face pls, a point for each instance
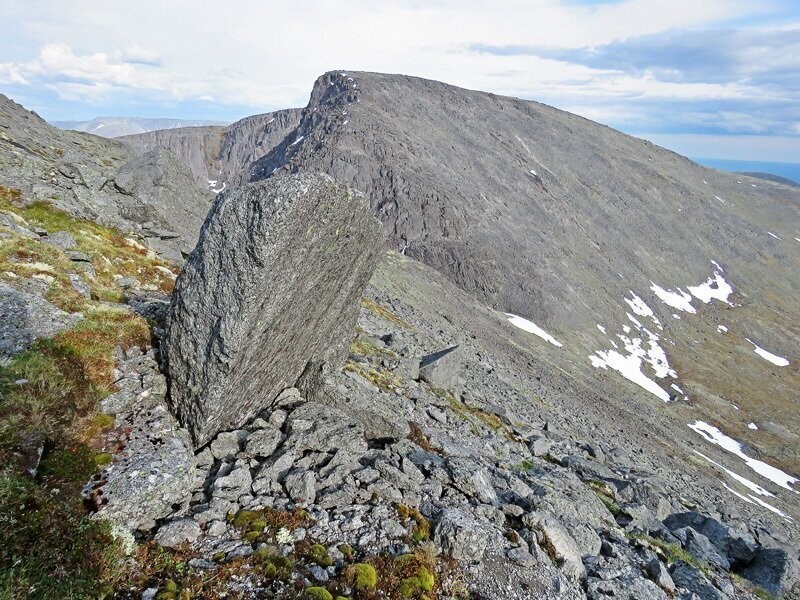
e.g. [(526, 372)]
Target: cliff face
[(221, 155)]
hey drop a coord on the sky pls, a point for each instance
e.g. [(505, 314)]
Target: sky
[(715, 78)]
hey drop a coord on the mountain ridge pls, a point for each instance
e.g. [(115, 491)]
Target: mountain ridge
[(112, 127)]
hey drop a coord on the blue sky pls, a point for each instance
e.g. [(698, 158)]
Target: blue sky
[(705, 77)]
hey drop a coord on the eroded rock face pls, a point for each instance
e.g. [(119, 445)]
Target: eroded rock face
[(272, 287)]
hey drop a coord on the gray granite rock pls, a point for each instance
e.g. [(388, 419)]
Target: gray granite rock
[(272, 287)]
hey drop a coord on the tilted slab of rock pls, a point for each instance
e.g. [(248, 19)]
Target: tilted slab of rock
[(272, 286)]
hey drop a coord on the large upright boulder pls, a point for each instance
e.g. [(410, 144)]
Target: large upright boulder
[(271, 288)]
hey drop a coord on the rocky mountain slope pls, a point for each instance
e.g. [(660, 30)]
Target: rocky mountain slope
[(619, 421), (111, 127), (221, 156), (151, 195), (656, 279)]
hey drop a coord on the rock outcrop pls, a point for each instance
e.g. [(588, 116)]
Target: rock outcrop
[(271, 288), (220, 156), (102, 180)]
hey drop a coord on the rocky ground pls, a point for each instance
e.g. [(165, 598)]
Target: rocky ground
[(395, 459)]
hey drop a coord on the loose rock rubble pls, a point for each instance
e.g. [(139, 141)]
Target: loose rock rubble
[(526, 512)]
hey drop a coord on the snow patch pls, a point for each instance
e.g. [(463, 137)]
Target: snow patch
[(722, 329), (640, 308), (533, 328), (773, 358), (601, 328), (298, 140), (714, 288), (212, 185), (715, 436), (752, 426), (630, 367), (754, 487), (773, 235), (676, 299)]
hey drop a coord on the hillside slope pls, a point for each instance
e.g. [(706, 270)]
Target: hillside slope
[(89, 177), (621, 251)]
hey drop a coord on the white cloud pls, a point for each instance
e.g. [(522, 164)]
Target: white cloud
[(72, 75), (266, 54)]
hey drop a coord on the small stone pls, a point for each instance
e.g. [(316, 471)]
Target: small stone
[(226, 444), (460, 535), (240, 552), (79, 285), (175, 533), (539, 445), (263, 442), (658, 573), (76, 256), (318, 572), (217, 529), (437, 414), (201, 563), (522, 557), (61, 239)]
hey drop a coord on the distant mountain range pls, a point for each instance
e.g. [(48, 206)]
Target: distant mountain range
[(112, 127)]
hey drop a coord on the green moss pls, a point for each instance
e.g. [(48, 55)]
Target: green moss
[(251, 536), (421, 529), (318, 593), (384, 313), (361, 348), (102, 459), (258, 525), (319, 554), (244, 519), (112, 254), (218, 556), (277, 567), (409, 587), (380, 378), (426, 578), (673, 552), (346, 550), (361, 576)]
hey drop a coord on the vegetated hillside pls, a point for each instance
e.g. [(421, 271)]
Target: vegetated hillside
[(219, 156), (622, 251), (111, 127), (103, 180)]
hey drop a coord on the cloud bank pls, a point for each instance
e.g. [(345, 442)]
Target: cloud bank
[(717, 67)]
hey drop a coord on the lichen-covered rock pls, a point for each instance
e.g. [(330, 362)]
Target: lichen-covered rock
[(178, 532), (558, 543), (154, 474), (460, 535), (271, 288), (25, 317)]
